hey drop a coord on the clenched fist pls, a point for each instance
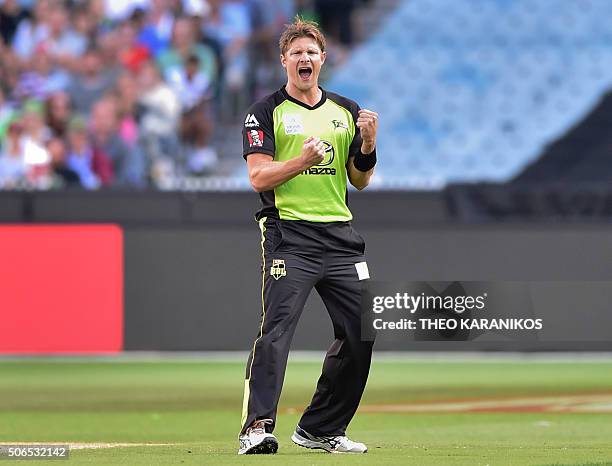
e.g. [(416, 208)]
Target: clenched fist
[(367, 122), (313, 151)]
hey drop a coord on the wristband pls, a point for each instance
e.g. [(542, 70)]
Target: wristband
[(365, 162)]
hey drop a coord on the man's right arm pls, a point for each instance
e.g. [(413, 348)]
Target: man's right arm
[(266, 174)]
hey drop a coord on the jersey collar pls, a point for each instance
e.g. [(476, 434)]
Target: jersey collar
[(302, 104)]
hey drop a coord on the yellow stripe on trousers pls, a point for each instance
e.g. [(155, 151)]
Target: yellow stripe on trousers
[(247, 387)]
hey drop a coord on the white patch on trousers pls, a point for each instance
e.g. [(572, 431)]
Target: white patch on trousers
[(362, 270)]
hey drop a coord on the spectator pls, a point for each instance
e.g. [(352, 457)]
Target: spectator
[(12, 161), (262, 49), (41, 79), (61, 175), (184, 45), (34, 142), (110, 48), (10, 68), (160, 112), (96, 10), (113, 161), (160, 107), (194, 8), (193, 91), (32, 31), (84, 23), (62, 43), (131, 53), (58, 112), (80, 154), (11, 14), (190, 85), (50, 30), (7, 113), (156, 32), (120, 10), (90, 84), (35, 129), (229, 25), (126, 93), (139, 52)]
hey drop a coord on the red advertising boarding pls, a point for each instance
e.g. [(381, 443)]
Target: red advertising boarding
[(61, 289)]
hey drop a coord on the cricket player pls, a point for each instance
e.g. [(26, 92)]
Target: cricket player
[(302, 145)]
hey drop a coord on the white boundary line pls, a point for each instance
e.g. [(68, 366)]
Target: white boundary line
[(90, 445), (198, 357)]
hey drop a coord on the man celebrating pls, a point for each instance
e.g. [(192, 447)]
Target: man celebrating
[(301, 145)]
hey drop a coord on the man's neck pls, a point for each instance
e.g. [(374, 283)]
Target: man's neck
[(310, 97)]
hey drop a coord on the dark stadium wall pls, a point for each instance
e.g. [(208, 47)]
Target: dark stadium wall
[(198, 289)]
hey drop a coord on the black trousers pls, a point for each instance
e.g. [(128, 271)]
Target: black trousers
[(296, 257)]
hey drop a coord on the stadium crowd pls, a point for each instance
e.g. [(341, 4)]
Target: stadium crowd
[(128, 93)]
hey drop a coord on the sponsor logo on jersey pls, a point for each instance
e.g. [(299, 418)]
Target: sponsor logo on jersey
[(329, 155), (256, 138), (323, 167), (278, 269), (319, 171), (293, 123), (250, 121), (339, 124)]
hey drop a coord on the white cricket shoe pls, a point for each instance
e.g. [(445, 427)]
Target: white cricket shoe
[(257, 441), (331, 444)]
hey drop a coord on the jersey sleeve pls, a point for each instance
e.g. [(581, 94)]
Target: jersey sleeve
[(258, 130), (355, 147)]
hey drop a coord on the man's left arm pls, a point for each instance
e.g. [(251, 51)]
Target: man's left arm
[(361, 165)]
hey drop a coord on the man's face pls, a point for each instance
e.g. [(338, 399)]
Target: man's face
[(78, 140), (92, 64), (183, 34), (59, 105), (103, 117), (57, 151), (57, 21), (303, 60)]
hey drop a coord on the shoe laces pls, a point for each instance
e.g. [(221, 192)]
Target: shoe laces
[(259, 426)]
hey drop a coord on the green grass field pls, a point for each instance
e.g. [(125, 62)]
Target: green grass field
[(190, 411)]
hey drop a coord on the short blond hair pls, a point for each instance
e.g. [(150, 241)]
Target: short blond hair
[(301, 28)]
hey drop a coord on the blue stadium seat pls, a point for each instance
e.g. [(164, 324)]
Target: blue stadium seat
[(474, 89)]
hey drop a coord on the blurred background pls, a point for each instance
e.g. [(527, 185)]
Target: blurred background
[(149, 94), (144, 94), (124, 196)]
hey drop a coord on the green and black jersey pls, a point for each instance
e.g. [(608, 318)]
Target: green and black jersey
[(278, 125)]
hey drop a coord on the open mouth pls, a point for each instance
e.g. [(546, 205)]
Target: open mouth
[(305, 72)]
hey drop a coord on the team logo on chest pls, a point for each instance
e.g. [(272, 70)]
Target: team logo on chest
[(278, 269), (339, 124), (293, 123)]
